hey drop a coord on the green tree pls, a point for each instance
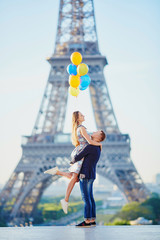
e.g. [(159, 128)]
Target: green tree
[(155, 195), (118, 222), (155, 204), (134, 210), (3, 222)]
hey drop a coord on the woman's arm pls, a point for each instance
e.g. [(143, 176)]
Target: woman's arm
[(87, 137)]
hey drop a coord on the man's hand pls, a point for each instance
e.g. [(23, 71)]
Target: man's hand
[(72, 162)]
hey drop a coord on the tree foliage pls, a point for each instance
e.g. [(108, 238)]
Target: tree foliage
[(118, 222), (2, 220), (155, 204), (149, 209)]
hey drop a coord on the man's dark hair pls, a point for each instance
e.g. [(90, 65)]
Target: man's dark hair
[(103, 136)]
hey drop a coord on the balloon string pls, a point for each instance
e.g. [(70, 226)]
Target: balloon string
[(76, 103)]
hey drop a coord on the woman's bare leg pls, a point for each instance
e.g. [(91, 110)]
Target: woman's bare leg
[(64, 174), (71, 184)]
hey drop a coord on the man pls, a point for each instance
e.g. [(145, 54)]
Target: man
[(87, 175)]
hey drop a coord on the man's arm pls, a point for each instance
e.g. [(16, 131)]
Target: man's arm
[(81, 154)]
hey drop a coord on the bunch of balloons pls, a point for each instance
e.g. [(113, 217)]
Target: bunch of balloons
[(78, 79)]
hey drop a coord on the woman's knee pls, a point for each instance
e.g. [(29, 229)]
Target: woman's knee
[(75, 177)]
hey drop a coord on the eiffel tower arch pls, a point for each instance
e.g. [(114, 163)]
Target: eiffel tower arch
[(48, 146)]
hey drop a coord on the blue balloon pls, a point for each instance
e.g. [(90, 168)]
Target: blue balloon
[(82, 88), (72, 69), (85, 81)]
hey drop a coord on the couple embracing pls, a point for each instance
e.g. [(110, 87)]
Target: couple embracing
[(83, 167)]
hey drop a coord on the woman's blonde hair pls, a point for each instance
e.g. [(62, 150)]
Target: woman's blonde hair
[(75, 124)]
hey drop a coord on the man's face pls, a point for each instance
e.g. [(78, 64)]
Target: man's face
[(96, 136)]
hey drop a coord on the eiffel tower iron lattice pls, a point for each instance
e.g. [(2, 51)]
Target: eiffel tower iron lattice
[(48, 146)]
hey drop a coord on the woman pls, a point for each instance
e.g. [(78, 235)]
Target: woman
[(80, 139)]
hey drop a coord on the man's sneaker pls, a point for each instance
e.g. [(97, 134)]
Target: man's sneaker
[(84, 224), (93, 224), (64, 205), (52, 171)]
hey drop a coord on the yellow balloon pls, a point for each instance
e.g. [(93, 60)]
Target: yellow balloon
[(76, 58), (74, 81), (74, 91), (82, 69)]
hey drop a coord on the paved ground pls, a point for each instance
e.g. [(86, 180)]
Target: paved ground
[(74, 233)]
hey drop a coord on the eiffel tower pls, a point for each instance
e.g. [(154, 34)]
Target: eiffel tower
[(48, 146)]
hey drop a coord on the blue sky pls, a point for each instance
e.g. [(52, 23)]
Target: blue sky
[(129, 36)]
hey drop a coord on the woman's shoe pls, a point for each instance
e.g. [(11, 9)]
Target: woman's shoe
[(64, 205), (52, 171)]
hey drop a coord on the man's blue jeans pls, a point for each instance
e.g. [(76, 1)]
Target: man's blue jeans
[(86, 186)]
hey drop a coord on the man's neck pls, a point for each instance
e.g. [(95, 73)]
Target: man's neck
[(94, 139)]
